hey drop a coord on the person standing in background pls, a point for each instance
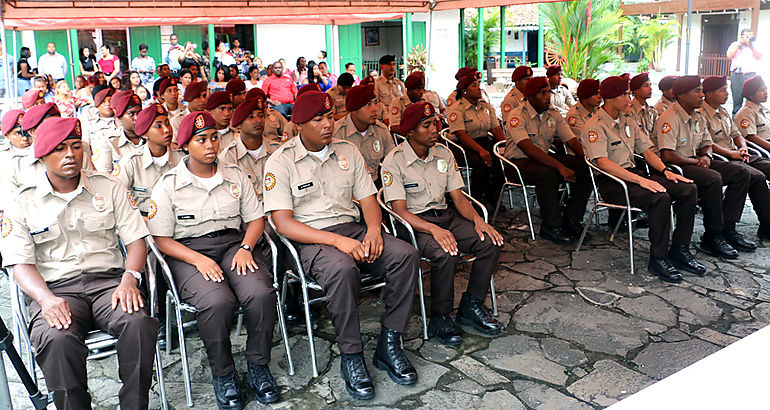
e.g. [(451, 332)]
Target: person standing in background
[(87, 61), (743, 65), (24, 71), (173, 54), (109, 64), (52, 63), (144, 65), (7, 63)]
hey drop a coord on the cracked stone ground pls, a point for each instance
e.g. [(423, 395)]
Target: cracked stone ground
[(581, 333)]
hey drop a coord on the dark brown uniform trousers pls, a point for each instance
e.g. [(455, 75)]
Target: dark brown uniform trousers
[(759, 169), (485, 180), (62, 353), (340, 277), (657, 206), (215, 301), (717, 211), (547, 181), (443, 265)]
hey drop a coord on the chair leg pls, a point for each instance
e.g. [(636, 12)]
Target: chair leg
[(497, 207), (585, 227), (630, 240), (161, 380), (421, 291), (183, 353), (285, 336), (529, 214), (239, 323), (617, 226), (493, 295), (169, 329), (313, 359)]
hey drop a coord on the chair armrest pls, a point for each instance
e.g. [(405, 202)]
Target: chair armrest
[(163, 267), (475, 202), (763, 152), (451, 143), (394, 217)]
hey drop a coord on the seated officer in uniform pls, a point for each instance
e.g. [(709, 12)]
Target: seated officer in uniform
[(237, 89), (589, 101), (415, 92), (104, 117), (121, 140), (277, 128), (361, 128), (16, 146), (416, 176), (644, 115), (32, 97), (752, 120), (729, 143), (168, 95), (382, 111), (684, 140), (195, 215), (668, 99), (462, 72), (471, 120), (196, 95), (610, 139), (338, 92), (515, 97), (220, 106), (310, 184), (250, 151), (530, 131), (561, 97), (61, 239)]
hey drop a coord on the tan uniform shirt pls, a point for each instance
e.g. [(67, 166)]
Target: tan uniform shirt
[(374, 143), (87, 116), (101, 129), (751, 120), (513, 99), (476, 120), (26, 170), (277, 129), (618, 140), (421, 183), (433, 98), (9, 156), (108, 152), (720, 126), (662, 105), (562, 99), (319, 192), (175, 117), (526, 123), (388, 91), (398, 106), (64, 238), (644, 115), (338, 99), (139, 173), (254, 167), (577, 117), (681, 132), (181, 207), (226, 137)]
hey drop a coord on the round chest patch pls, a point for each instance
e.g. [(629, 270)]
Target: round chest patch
[(514, 122), (235, 191), (592, 136), (6, 226), (572, 120), (394, 111), (152, 210), (100, 204), (377, 146), (387, 178), (343, 162), (116, 170), (506, 107), (453, 117), (441, 165), (269, 181), (665, 128), (745, 123)]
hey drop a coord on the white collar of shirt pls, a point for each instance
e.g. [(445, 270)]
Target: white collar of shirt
[(320, 154), (210, 182), (255, 152), (161, 160), (541, 115), (223, 131)]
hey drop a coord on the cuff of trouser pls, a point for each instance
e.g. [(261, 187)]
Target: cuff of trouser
[(393, 325)]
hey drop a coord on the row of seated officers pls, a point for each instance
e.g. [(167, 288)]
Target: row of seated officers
[(205, 206)]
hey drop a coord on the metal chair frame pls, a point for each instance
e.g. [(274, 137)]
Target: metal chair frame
[(757, 150), (173, 299), (508, 186), (465, 169), (396, 218)]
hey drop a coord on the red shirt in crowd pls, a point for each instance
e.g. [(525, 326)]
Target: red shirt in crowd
[(281, 89)]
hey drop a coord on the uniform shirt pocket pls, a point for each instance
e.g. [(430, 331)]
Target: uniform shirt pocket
[(303, 191)]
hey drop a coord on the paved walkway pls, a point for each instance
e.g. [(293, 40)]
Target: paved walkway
[(581, 333)]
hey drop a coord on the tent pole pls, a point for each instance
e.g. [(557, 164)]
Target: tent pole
[(689, 29), (461, 39), (540, 38), (212, 50), (430, 42), (15, 48), (255, 42), (502, 38), (480, 41), (72, 62), (6, 75)]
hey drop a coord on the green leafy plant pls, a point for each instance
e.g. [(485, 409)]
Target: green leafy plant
[(417, 59), (491, 34), (656, 35)]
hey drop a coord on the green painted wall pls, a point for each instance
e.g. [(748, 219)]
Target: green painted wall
[(418, 35), (350, 47), (190, 33), (59, 38), (149, 36)]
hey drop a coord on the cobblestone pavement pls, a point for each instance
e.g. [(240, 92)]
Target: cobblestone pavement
[(581, 333)]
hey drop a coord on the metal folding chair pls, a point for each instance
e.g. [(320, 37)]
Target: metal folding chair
[(394, 218), (173, 299), (397, 138), (100, 344), (464, 168), (510, 185), (599, 203), (757, 150)]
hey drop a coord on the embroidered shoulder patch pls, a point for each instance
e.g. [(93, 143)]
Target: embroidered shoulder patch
[(514, 122), (269, 181), (745, 123), (6, 226), (593, 136), (665, 128), (152, 210), (387, 178)]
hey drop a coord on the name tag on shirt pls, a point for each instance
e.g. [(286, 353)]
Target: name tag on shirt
[(718, 131), (614, 143), (305, 185), (139, 189), (185, 217), (38, 232), (531, 135), (760, 125), (412, 185)]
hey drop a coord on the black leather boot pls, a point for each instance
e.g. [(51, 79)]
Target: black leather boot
[(263, 383), (764, 231), (663, 269), (681, 257), (715, 245), (162, 334), (472, 312), (389, 356), (736, 239), (444, 330), (227, 392), (574, 228), (556, 235), (356, 376)]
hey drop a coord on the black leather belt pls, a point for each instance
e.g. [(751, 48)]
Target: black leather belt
[(223, 232), (433, 213)]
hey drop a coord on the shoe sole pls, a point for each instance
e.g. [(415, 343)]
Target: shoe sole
[(358, 396), (467, 322), (716, 254), (268, 401), (229, 406), (686, 268), (664, 278), (382, 366), (443, 341)]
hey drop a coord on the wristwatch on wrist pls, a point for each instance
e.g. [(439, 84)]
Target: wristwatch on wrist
[(246, 247), (136, 275)]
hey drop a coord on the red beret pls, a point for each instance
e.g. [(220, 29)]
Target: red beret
[(53, 132), (463, 71), (102, 95), (685, 83), (310, 104), (414, 114), (145, 117), (534, 85), (30, 97), (245, 108), (469, 78), (415, 80), (587, 88), (165, 83), (235, 86), (666, 82), (750, 86), (552, 70), (192, 124), (11, 120), (218, 98), (37, 114), (123, 100), (367, 80), (309, 87), (256, 92), (358, 97), (638, 81), (520, 72), (194, 90), (713, 83), (627, 76), (614, 86)]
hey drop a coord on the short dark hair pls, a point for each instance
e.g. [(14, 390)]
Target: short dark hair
[(349, 64), (345, 80), (142, 47), (184, 71), (323, 54)]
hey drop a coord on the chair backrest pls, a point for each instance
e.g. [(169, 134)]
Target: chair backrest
[(499, 150), (395, 218)]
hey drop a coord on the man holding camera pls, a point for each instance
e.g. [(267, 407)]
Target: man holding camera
[(744, 60)]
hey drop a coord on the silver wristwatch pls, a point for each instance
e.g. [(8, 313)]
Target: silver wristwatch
[(136, 275)]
